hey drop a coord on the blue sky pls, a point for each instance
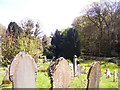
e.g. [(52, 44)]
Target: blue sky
[(52, 14)]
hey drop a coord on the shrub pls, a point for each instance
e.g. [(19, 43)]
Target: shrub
[(12, 46)]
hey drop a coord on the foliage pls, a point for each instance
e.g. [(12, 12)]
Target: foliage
[(100, 28), (14, 29), (56, 42), (2, 30), (49, 51), (30, 44), (12, 46), (66, 43), (71, 44), (31, 27)]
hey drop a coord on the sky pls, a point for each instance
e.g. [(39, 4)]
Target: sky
[(52, 14)]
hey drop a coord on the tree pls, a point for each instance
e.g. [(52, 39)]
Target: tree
[(71, 44), (2, 30), (66, 43), (48, 49), (14, 29), (56, 42), (31, 27), (100, 25), (15, 41)]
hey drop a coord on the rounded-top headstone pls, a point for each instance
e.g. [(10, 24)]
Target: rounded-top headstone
[(22, 71), (60, 74)]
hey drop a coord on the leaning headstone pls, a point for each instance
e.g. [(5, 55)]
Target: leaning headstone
[(94, 75), (22, 71), (108, 74), (60, 73), (115, 76), (75, 65)]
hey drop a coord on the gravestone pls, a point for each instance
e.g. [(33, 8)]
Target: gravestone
[(60, 73), (22, 71), (115, 76), (0, 50), (94, 75), (71, 66), (79, 69), (108, 74), (75, 65)]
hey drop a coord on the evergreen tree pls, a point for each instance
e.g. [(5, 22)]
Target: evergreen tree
[(56, 42), (71, 44)]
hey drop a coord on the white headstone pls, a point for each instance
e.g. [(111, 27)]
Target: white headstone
[(22, 71), (108, 75), (75, 65), (0, 50)]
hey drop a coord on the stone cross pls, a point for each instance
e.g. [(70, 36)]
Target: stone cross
[(75, 65), (108, 75), (94, 76), (22, 71), (115, 76), (60, 73)]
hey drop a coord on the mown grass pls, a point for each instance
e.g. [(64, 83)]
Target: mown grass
[(2, 74), (43, 80), (81, 81)]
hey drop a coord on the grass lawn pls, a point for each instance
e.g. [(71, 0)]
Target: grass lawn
[(43, 80), (81, 81)]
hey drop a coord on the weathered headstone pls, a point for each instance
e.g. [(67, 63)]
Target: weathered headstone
[(115, 76), (75, 65), (94, 75), (71, 66), (108, 74), (79, 70), (0, 50), (22, 71), (60, 73)]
